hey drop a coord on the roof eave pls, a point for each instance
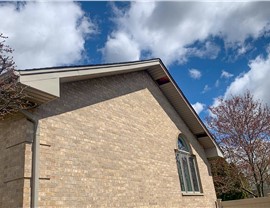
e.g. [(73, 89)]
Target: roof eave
[(211, 151)]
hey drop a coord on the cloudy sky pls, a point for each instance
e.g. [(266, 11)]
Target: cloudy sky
[(211, 49)]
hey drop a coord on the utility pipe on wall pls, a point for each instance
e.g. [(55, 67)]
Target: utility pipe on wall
[(35, 158)]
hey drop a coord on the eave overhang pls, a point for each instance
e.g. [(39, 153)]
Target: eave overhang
[(44, 86)]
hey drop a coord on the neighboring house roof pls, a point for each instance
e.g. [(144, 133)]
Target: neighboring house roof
[(44, 86)]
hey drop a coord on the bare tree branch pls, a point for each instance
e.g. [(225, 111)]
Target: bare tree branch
[(242, 128), (12, 93)]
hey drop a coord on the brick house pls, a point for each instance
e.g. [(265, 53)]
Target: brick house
[(115, 135)]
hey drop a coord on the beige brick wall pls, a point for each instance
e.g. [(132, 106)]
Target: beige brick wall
[(109, 142), (15, 169)]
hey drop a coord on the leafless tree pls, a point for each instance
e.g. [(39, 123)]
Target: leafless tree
[(241, 126), (12, 95)]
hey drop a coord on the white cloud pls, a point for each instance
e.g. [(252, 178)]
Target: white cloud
[(242, 49), (256, 80), (45, 34), (206, 89), (114, 49), (172, 30), (217, 83), (268, 48), (195, 73), (225, 74), (198, 107), (216, 103), (207, 50)]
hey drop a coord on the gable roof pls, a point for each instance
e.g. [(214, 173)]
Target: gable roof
[(44, 86)]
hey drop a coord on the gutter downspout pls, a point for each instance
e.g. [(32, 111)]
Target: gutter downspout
[(35, 158)]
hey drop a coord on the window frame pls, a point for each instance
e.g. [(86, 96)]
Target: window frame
[(185, 152)]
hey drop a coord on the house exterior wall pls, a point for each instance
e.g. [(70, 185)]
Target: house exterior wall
[(106, 142), (109, 142), (15, 163)]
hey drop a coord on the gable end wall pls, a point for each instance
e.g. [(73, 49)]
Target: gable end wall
[(109, 142)]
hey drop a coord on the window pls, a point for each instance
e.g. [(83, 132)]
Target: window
[(187, 168)]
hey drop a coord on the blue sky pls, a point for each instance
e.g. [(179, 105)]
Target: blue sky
[(211, 49)]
